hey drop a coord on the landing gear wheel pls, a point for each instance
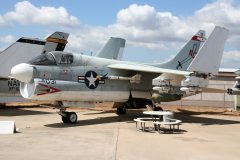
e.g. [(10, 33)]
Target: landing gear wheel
[(65, 119), (121, 110), (72, 117)]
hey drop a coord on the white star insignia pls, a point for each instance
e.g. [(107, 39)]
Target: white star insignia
[(91, 80)]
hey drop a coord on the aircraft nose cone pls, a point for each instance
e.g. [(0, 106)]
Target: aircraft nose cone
[(22, 72)]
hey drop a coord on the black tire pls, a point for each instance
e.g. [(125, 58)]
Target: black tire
[(121, 110), (65, 119), (131, 103), (158, 109), (72, 117)]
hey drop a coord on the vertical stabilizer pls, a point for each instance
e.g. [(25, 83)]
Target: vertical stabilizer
[(185, 56), (210, 55), (56, 42), (22, 50), (113, 49), (25, 49)]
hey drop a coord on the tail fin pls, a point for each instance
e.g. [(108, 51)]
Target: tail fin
[(22, 50), (25, 49), (210, 55), (113, 49), (182, 60), (56, 42)]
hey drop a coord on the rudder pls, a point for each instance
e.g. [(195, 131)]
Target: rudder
[(210, 55)]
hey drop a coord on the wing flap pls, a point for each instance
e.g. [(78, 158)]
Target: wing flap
[(147, 68)]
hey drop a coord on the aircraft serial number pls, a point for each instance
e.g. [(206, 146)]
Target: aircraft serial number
[(49, 81)]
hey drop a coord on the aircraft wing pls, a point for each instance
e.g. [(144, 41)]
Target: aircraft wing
[(147, 68)]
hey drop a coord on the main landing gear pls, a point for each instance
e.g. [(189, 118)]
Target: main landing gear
[(135, 103), (68, 117), (122, 109)]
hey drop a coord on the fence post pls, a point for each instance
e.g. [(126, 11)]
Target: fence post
[(224, 96)]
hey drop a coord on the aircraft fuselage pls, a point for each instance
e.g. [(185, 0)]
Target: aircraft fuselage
[(85, 79)]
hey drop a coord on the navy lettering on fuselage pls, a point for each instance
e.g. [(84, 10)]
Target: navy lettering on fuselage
[(13, 84), (91, 80)]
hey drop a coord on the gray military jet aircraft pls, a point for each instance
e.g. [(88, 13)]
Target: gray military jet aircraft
[(25, 49), (75, 80)]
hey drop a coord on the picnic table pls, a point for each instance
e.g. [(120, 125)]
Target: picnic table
[(158, 118)]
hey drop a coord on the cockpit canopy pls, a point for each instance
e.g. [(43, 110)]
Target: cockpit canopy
[(53, 58)]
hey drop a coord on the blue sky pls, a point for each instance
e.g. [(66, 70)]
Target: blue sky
[(104, 13), (154, 29)]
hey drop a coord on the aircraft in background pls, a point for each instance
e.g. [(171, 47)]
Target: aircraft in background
[(113, 49), (23, 50), (76, 80)]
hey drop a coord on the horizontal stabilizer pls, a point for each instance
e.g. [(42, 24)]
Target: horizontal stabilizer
[(210, 55)]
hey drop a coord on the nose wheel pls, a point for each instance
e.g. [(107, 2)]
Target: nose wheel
[(69, 117)]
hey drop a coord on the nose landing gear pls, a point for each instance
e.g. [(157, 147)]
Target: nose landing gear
[(71, 117), (68, 117)]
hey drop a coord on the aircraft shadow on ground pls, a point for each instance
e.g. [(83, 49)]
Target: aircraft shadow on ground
[(128, 118), (190, 117), (200, 112), (19, 112), (184, 115), (114, 119), (88, 122), (132, 112), (100, 112)]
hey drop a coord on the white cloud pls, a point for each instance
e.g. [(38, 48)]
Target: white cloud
[(139, 16), (140, 25), (2, 21), (26, 13), (221, 12), (7, 39), (231, 59), (144, 26), (80, 44)]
